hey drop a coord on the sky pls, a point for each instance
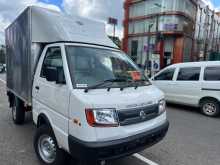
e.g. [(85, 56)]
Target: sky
[(94, 9), (216, 3)]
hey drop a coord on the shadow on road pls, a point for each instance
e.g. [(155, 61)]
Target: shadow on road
[(184, 108)]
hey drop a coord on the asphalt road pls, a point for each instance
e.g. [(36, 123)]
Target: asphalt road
[(193, 139)]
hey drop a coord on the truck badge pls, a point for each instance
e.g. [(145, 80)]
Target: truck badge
[(143, 115)]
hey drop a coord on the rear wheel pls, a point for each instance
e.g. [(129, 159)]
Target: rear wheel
[(210, 107), (18, 111), (46, 147)]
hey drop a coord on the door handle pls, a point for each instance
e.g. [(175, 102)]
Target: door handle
[(37, 87)]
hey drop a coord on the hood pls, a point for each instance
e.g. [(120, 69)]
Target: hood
[(128, 98)]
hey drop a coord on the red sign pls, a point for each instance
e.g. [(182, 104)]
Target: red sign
[(135, 75)]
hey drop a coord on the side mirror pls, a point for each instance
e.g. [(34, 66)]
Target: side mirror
[(55, 74), (51, 74)]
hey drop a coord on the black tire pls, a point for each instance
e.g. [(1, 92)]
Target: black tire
[(60, 157), (18, 111), (214, 110)]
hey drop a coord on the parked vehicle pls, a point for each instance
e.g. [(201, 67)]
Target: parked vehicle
[(87, 97), (194, 83)]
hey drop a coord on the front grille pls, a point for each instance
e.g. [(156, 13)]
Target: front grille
[(137, 115)]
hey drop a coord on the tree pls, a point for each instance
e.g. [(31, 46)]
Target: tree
[(2, 55)]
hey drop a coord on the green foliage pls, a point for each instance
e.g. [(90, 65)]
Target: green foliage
[(2, 55)]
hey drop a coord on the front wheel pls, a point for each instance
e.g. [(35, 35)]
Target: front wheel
[(46, 147), (18, 111), (210, 107)]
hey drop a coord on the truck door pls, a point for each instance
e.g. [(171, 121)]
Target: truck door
[(50, 97)]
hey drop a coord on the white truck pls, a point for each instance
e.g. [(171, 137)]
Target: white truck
[(88, 98)]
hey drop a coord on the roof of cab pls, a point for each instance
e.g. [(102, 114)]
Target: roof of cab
[(194, 64), (48, 26)]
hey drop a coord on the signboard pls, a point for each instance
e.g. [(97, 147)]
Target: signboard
[(155, 62), (112, 21), (201, 54), (168, 27), (150, 47)]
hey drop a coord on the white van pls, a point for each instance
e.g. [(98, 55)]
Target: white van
[(194, 83), (87, 97)]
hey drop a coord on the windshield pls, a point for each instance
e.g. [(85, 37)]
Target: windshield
[(91, 66)]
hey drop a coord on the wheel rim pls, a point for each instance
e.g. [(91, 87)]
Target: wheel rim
[(47, 148), (209, 109), (14, 113)]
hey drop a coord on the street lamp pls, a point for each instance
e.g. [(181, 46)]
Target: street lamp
[(149, 36), (148, 46)]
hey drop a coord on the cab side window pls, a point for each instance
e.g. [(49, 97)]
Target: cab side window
[(212, 74), (189, 74), (52, 60), (166, 75)]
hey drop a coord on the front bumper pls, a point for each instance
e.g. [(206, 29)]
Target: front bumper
[(93, 151)]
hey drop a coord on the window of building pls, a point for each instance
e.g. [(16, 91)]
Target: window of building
[(189, 74), (156, 6), (166, 23), (212, 74), (165, 75)]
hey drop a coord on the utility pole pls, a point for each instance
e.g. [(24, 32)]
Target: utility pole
[(149, 37), (114, 25), (157, 28), (207, 32), (148, 47), (212, 31)]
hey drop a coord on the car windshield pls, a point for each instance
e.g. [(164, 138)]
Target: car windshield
[(92, 66)]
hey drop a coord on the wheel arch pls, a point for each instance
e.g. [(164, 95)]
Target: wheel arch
[(208, 98), (43, 120)]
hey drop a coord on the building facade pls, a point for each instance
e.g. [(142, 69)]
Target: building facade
[(164, 27), (207, 33)]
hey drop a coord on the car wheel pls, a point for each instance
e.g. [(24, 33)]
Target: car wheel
[(210, 107), (46, 147), (18, 112)]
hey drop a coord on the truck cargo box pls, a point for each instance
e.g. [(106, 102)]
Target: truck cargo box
[(31, 31)]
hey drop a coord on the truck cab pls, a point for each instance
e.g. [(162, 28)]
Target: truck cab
[(96, 100)]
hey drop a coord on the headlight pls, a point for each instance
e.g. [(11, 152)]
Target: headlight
[(102, 117), (162, 106)]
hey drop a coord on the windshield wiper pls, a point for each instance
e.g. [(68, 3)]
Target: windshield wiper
[(104, 82), (142, 80)]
